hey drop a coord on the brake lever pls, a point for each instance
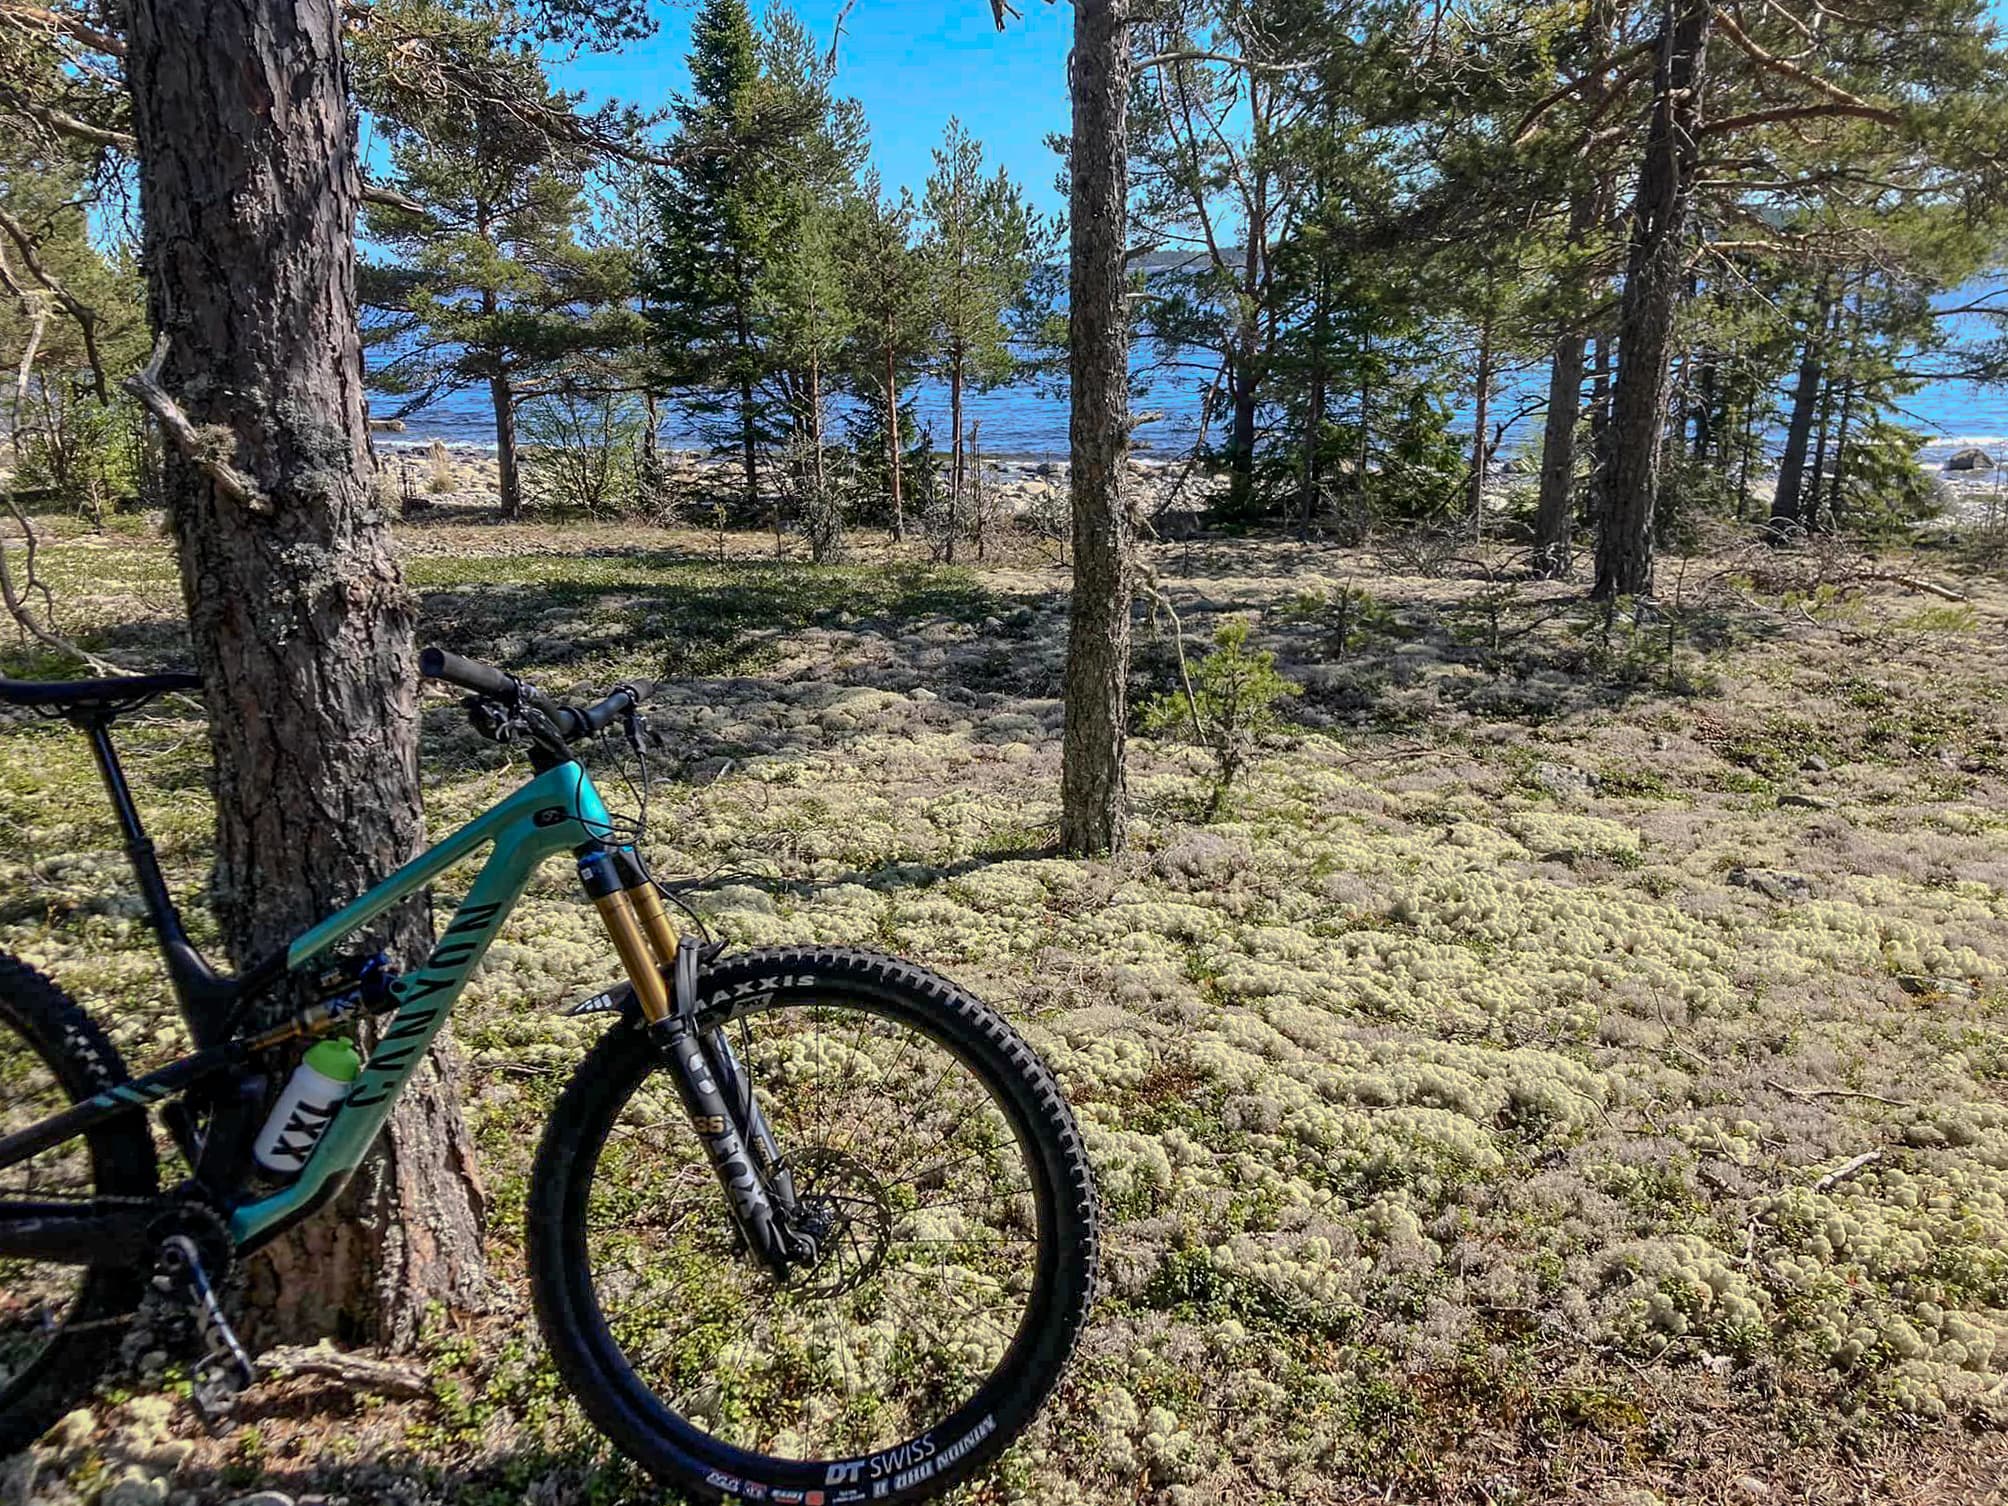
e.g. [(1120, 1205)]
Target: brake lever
[(503, 723), (634, 727), (493, 720)]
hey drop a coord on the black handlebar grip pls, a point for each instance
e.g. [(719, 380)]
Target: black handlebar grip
[(468, 674), (485, 679), (631, 693)]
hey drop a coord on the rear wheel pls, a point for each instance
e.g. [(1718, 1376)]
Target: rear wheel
[(950, 1196), (60, 1325)]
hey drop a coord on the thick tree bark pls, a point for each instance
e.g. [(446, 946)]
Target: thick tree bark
[(1654, 279), (1555, 511), (301, 624), (508, 471), (1093, 797)]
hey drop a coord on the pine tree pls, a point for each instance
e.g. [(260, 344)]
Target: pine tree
[(488, 282), (888, 295), (980, 247), (803, 318), (721, 212), (810, 326), (1094, 783), (279, 527)]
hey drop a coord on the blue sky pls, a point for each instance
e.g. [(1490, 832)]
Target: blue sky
[(911, 64)]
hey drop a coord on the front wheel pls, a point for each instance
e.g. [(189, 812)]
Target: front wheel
[(931, 1149)]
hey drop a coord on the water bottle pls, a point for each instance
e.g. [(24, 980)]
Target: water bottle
[(313, 1097)]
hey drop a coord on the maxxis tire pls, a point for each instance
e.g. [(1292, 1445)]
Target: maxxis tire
[(123, 1164), (694, 1461)]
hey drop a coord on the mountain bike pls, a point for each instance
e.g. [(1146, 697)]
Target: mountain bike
[(806, 1225)]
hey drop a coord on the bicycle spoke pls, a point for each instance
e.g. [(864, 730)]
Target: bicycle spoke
[(925, 1276)]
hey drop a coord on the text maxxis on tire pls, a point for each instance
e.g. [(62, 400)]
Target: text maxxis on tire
[(768, 985)]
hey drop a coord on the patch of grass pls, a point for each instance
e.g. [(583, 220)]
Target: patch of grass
[(1451, 1133)]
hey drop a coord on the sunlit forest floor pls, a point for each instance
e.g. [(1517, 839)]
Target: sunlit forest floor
[(1575, 1066)]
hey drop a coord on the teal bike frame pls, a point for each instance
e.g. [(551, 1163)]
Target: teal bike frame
[(557, 811)]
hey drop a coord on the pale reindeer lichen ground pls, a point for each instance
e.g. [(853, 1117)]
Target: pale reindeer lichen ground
[(1467, 1102)]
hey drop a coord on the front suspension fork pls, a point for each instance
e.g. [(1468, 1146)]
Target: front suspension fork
[(717, 1097)]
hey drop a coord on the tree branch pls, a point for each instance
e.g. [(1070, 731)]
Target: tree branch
[(389, 198), (1790, 69), (68, 125), (355, 1371), (203, 447), (1548, 101), (86, 317), (66, 25), (1194, 55), (1800, 112)]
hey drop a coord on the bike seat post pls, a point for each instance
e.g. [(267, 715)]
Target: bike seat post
[(139, 850)]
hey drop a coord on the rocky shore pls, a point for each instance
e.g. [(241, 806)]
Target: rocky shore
[(466, 474), (1974, 487)]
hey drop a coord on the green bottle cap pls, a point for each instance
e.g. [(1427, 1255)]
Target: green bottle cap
[(335, 1060)]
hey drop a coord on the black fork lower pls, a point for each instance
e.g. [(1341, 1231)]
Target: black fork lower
[(719, 1100)]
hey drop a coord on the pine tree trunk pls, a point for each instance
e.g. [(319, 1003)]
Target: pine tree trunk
[(1093, 798), (1706, 384), (1479, 448), (1600, 421), (1555, 512), (821, 471), (1654, 278), (301, 624), (1241, 444), (955, 457), (748, 437), (1785, 498), (1365, 460), (1314, 423), (1810, 512), (892, 441), (508, 470), (1840, 471), (976, 486), (1847, 353)]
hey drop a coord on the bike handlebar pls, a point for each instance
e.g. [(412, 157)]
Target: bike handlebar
[(571, 722)]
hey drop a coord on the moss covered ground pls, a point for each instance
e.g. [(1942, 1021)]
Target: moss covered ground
[(1575, 1065)]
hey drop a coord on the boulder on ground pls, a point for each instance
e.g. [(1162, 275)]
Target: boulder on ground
[(1970, 459), (1773, 884)]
